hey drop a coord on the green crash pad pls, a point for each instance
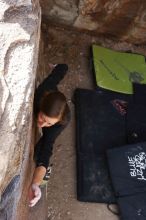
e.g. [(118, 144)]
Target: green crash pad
[(117, 71)]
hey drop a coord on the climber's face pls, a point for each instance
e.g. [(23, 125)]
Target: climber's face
[(45, 121)]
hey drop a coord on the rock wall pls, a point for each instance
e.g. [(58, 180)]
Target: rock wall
[(125, 20), (19, 42)]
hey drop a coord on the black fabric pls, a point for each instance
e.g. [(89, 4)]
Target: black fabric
[(133, 207), (105, 120), (136, 123), (127, 166), (139, 93), (49, 84), (43, 149), (135, 116), (93, 183), (100, 125)]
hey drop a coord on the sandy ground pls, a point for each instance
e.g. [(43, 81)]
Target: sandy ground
[(71, 47)]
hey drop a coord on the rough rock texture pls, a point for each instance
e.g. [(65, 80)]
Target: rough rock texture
[(125, 20), (65, 11), (19, 41)]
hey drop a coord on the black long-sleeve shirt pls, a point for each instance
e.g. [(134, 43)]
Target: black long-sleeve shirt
[(43, 149)]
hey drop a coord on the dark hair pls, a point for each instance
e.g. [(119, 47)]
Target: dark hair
[(54, 104)]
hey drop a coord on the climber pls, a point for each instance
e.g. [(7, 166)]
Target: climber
[(52, 114)]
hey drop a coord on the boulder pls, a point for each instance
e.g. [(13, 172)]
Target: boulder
[(64, 11), (19, 43), (124, 20)]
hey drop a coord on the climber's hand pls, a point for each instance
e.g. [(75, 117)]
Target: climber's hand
[(52, 66), (34, 194)]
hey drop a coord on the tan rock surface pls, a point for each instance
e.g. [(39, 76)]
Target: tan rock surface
[(122, 19), (65, 11), (125, 20), (19, 40)]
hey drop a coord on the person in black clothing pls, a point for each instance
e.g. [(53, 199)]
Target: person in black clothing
[(52, 114)]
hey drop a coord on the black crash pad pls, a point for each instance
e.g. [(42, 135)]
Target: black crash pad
[(100, 125), (127, 166)]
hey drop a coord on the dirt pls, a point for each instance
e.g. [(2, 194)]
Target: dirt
[(63, 45)]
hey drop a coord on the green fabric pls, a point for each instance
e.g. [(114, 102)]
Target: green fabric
[(117, 70)]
